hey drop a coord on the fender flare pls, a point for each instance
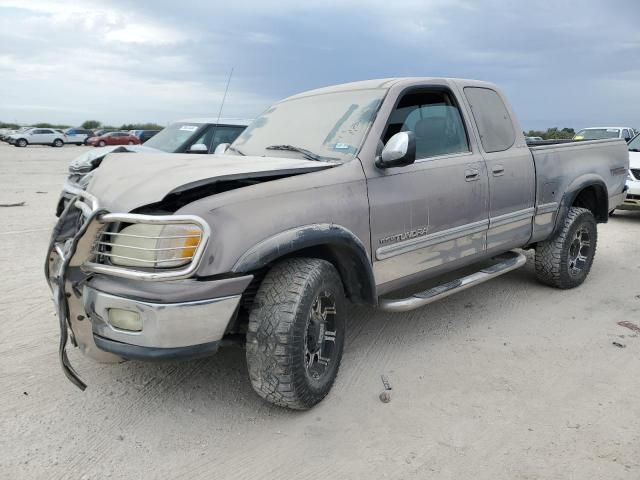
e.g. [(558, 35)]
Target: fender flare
[(328, 241), (573, 190)]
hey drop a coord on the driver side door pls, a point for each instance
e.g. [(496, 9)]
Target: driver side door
[(433, 214)]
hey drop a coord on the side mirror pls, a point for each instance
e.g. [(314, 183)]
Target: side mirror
[(221, 148), (198, 148), (399, 151)]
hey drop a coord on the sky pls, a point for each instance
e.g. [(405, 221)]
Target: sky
[(562, 63)]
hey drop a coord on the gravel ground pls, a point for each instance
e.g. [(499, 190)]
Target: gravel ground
[(509, 380)]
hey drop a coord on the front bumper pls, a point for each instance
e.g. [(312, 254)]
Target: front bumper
[(169, 330), (180, 316), (632, 200)]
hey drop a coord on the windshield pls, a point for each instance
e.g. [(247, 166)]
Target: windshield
[(330, 125), (171, 138), (634, 145), (597, 133)]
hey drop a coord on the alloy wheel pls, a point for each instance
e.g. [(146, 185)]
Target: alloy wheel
[(320, 336), (579, 251)]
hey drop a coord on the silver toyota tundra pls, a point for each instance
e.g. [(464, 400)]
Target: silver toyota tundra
[(343, 194)]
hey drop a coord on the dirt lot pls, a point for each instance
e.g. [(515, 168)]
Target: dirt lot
[(510, 380)]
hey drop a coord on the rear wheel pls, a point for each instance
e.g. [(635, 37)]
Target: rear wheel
[(565, 260), (296, 333), (58, 143)]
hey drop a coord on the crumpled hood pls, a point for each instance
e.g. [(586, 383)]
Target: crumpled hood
[(634, 160), (92, 158), (122, 183)]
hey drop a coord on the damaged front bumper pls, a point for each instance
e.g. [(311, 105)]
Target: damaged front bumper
[(176, 316), (167, 330)]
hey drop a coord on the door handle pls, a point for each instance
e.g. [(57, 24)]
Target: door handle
[(471, 175), (497, 170)]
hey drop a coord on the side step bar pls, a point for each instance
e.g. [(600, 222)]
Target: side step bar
[(505, 263)]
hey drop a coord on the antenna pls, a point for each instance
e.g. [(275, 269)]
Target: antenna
[(224, 97)]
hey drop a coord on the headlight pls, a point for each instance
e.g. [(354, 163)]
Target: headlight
[(155, 246)]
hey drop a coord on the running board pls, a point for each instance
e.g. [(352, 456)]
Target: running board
[(505, 263)]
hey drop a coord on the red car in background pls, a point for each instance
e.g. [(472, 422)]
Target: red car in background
[(114, 138)]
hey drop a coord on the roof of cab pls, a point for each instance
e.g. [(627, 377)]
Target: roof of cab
[(382, 83)]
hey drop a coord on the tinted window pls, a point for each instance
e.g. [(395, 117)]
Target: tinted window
[(435, 120), (492, 118), (214, 136)]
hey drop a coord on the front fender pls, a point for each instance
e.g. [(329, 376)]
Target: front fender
[(330, 241)]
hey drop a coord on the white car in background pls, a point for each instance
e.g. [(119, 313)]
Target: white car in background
[(38, 136), (600, 133), (632, 201), (5, 136), (78, 136)]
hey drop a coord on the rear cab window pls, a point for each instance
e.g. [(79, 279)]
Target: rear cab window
[(492, 119)]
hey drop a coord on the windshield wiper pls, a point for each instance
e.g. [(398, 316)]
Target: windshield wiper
[(308, 154), (634, 149), (234, 149)]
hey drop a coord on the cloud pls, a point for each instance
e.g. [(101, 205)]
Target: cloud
[(561, 63)]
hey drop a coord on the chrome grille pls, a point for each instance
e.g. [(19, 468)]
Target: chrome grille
[(636, 173), (102, 247), (118, 253)]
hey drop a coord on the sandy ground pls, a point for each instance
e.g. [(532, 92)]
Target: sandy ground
[(510, 380)]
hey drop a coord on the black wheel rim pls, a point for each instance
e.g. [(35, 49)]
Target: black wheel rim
[(320, 336), (579, 251)]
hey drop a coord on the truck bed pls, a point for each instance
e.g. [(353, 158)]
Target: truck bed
[(563, 167)]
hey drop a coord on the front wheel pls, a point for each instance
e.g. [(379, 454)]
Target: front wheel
[(130, 142), (296, 333), (101, 143), (58, 143), (21, 143), (565, 260)]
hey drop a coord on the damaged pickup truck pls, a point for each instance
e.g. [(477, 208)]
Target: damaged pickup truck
[(343, 194)]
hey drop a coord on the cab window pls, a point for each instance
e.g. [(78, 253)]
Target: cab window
[(492, 118), (435, 119), (214, 136)]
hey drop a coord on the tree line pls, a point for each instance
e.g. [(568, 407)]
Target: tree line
[(553, 133)]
